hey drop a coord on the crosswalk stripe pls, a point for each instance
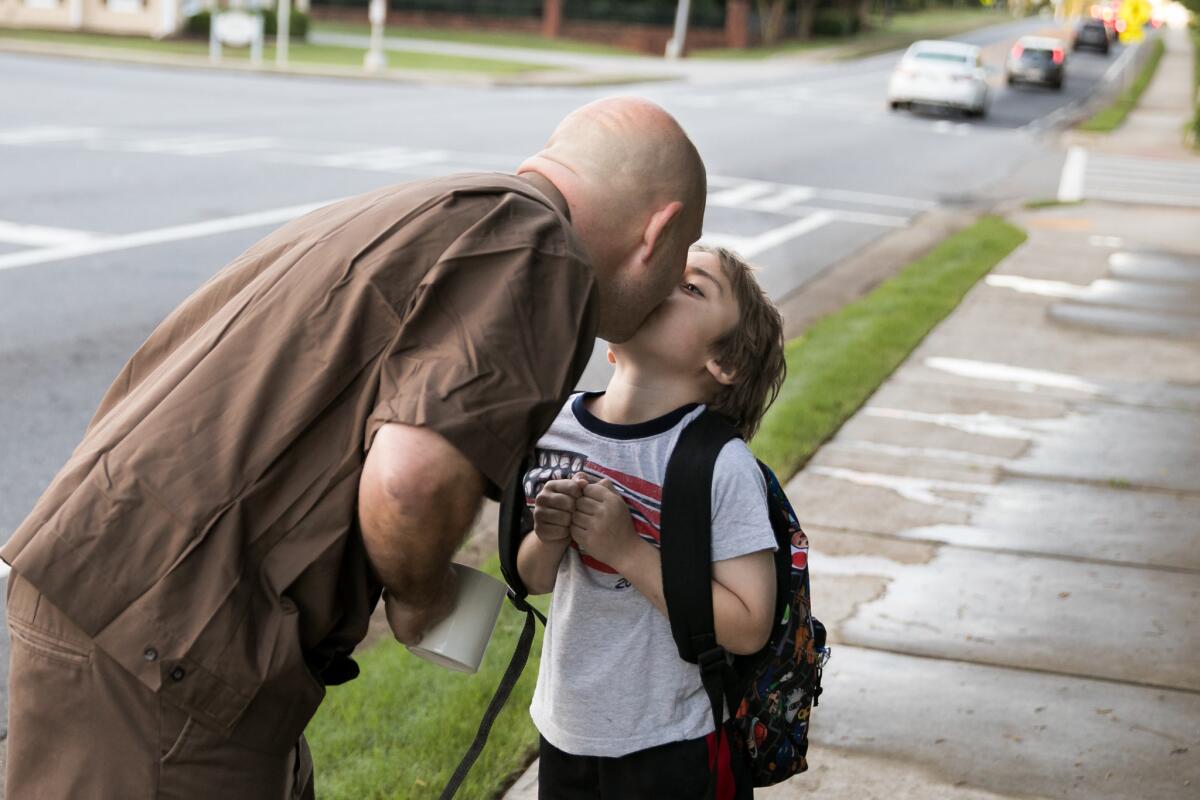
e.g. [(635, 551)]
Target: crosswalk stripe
[(39, 235)]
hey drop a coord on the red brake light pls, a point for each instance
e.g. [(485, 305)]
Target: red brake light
[(1017, 50), (1058, 56)]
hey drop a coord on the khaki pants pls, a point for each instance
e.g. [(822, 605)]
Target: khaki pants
[(80, 726)]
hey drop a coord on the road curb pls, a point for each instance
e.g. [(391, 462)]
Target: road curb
[(547, 78), (857, 274)]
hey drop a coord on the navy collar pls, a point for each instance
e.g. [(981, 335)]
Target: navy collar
[(638, 430)]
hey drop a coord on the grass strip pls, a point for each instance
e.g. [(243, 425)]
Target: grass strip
[(299, 53), (529, 41), (1107, 120), (400, 728), (1195, 133), (900, 31), (839, 362)]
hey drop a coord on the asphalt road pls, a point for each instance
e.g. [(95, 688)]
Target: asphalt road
[(141, 183)]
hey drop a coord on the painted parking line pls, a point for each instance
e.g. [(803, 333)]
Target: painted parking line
[(40, 235), (1070, 183), (174, 233)]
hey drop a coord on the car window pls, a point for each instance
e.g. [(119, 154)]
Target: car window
[(934, 55)]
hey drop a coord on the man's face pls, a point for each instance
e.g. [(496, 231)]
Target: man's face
[(680, 332), (646, 285)]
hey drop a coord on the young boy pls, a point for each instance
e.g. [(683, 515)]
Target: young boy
[(621, 715)]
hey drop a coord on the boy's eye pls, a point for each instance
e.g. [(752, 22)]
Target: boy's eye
[(692, 288)]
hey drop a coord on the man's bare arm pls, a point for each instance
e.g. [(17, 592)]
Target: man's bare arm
[(416, 501)]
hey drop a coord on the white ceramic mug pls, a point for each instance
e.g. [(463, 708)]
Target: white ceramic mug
[(458, 641)]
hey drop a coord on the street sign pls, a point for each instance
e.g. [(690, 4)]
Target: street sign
[(236, 29), (1135, 13)]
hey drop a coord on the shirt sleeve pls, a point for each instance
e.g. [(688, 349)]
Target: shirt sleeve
[(740, 522), (494, 338)]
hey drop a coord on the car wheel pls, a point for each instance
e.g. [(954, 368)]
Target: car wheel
[(1009, 80), (894, 105), (1057, 85)]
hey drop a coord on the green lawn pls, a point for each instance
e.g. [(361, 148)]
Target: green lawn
[(839, 362), (298, 53), (901, 31), (491, 38), (1107, 120), (399, 730)]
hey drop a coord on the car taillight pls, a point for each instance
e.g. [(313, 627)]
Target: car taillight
[(1017, 50), (1057, 56)]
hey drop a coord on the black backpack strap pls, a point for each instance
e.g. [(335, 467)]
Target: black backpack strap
[(513, 525), (515, 521), (686, 546)]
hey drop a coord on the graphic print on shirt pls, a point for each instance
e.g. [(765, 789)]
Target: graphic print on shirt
[(642, 497)]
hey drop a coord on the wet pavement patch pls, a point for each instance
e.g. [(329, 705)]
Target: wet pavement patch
[(1155, 266), (1126, 321)]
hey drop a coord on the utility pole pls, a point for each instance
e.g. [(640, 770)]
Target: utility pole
[(675, 44), (283, 26), (376, 59)]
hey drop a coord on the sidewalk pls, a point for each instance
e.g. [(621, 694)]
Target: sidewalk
[(1155, 129), (1006, 550)]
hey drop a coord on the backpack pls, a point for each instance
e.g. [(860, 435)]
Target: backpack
[(770, 693)]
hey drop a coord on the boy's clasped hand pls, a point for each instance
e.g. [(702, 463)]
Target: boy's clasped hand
[(589, 512)]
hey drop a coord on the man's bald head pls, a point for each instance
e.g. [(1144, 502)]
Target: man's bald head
[(636, 187)]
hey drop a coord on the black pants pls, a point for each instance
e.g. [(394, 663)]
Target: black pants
[(675, 771)]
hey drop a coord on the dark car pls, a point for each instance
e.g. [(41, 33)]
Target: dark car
[(1093, 34), (1036, 59)]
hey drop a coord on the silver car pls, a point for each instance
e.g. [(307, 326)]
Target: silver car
[(942, 74)]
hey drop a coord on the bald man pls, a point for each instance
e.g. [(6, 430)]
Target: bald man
[(311, 430)]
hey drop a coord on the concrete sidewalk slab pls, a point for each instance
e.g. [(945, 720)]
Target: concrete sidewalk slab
[(1047, 614), (961, 730)]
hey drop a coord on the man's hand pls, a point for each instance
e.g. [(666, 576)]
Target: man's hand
[(409, 623), (554, 508), (602, 525)]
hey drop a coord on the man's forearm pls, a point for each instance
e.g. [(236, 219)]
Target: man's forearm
[(537, 563)]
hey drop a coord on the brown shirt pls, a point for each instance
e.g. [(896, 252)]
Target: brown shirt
[(204, 532)]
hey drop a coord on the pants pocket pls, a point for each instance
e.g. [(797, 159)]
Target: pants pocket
[(42, 643)]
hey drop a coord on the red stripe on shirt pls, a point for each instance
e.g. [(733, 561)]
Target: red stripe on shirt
[(639, 485)]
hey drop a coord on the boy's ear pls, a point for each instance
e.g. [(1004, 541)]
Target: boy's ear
[(612, 357), (719, 373)]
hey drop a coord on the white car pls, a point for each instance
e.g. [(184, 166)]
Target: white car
[(940, 73)]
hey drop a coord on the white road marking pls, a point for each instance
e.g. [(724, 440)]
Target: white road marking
[(1070, 184), (739, 195), (174, 233), (41, 134), (751, 246), (200, 145), (384, 159), (1106, 241), (40, 236)]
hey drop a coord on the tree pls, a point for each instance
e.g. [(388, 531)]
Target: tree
[(771, 14)]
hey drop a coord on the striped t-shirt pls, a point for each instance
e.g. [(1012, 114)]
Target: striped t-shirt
[(611, 681)]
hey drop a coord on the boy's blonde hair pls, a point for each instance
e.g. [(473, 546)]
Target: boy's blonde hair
[(752, 351)]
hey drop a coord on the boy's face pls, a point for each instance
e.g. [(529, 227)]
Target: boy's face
[(679, 334)]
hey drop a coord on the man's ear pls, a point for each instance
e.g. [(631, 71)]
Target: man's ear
[(719, 373), (653, 235)]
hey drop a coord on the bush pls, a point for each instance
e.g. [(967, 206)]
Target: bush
[(200, 24), (834, 23)]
